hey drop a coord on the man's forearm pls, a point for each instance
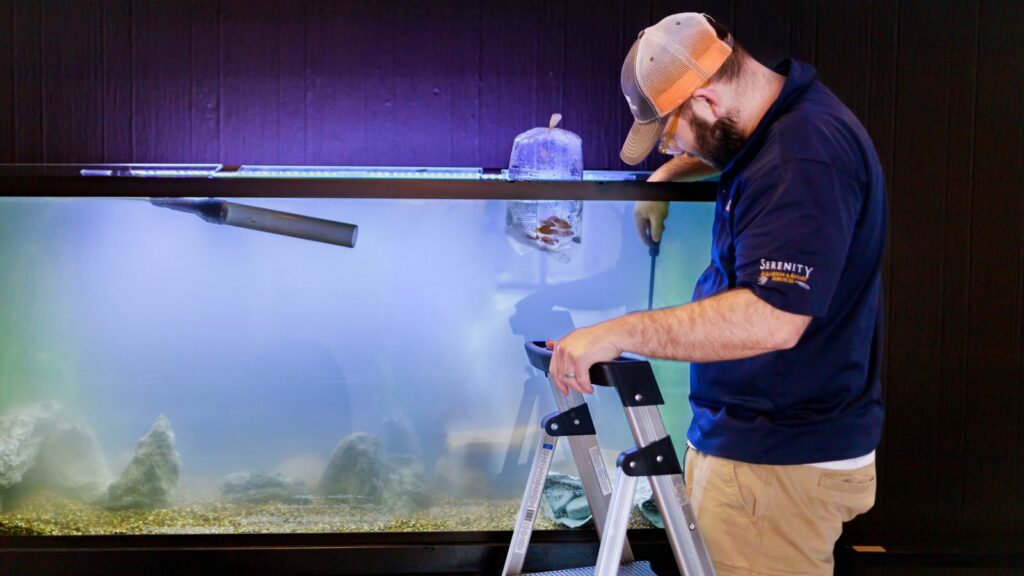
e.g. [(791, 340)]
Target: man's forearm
[(682, 169), (728, 326)]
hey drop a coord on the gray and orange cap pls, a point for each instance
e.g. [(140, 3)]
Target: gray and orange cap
[(666, 64)]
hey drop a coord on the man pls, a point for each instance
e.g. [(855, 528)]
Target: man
[(784, 330)]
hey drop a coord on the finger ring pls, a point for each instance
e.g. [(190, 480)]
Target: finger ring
[(569, 375)]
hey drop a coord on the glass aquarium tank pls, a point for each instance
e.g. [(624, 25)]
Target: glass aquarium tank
[(164, 374)]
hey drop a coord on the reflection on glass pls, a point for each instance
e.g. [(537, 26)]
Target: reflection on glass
[(161, 375)]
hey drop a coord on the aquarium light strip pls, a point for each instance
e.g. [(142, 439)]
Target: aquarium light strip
[(332, 172)]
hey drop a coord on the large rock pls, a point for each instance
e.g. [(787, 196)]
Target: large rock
[(471, 462), (399, 437), (354, 469), (261, 487), (404, 484), (151, 478), (43, 446), (71, 463), (22, 433)]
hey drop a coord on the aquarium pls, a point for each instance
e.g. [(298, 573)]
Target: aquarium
[(161, 373)]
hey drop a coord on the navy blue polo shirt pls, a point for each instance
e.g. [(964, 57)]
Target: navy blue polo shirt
[(800, 222)]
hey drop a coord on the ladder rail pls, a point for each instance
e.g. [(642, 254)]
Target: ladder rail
[(597, 487), (670, 494), (530, 506), (589, 461)]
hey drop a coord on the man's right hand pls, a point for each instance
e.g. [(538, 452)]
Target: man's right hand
[(650, 220), (650, 215)]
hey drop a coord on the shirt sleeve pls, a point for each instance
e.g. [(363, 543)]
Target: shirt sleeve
[(792, 235)]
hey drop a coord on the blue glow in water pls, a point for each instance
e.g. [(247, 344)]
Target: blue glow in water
[(262, 349)]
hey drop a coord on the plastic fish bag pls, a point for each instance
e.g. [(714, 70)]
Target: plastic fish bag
[(551, 226)]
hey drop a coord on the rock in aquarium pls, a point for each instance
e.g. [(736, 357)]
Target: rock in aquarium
[(71, 463), (404, 484), (151, 478), (354, 469), (22, 433), (43, 446), (261, 487)]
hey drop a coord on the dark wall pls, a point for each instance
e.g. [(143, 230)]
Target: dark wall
[(937, 83)]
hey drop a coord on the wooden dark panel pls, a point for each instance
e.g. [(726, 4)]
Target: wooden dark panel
[(28, 104), (952, 385), (424, 82), (992, 480), (291, 75), (72, 72), (880, 119), (117, 80), (464, 72), (548, 92), (6, 80), (205, 81), (841, 52), (765, 33), (509, 66), (161, 74), (593, 55), (915, 244), (250, 80), (341, 50), (915, 329), (803, 20)]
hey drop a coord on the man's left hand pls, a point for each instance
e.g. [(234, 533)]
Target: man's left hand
[(574, 354)]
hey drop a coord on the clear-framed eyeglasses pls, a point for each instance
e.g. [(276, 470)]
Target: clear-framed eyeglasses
[(668, 143)]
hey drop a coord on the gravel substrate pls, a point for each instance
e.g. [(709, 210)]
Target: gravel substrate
[(47, 515)]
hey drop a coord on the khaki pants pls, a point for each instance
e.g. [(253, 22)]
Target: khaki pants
[(763, 520)]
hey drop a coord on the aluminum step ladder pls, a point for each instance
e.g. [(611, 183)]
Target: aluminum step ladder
[(654, 457)]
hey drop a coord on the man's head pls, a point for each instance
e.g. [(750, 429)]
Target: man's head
[(674, 80)]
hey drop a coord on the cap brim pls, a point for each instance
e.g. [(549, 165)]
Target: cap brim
[(642, 138)]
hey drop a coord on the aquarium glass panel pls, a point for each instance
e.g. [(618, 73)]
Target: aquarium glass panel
[(162, 373)]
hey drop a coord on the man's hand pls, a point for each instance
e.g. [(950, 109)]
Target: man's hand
[(650, 220), (577, 352), (650, 216)]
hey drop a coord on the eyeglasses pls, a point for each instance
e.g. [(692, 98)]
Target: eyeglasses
[(668, 139)]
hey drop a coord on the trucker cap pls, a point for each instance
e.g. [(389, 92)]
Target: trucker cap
[(666, 64)]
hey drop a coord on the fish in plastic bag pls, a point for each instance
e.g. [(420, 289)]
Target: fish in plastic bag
[(551, 226)]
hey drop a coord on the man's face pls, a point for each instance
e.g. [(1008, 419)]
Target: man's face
[(715, 140)]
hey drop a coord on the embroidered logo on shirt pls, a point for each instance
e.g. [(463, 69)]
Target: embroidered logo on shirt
[(784, 273)]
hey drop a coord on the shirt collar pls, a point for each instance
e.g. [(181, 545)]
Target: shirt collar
[(799, 77)]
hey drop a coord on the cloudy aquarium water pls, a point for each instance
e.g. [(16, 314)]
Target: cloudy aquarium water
[(159, 374)]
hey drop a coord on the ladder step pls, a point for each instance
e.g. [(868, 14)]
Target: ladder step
[(628, 569)]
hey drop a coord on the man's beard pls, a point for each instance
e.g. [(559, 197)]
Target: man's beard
[(717, 143)]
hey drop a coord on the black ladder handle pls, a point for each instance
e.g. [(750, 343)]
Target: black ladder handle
[(634, 379)]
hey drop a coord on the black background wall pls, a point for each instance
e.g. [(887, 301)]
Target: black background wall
[(938, 84)]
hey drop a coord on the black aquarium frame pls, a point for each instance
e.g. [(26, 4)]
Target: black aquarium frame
[(470, 552), (313, 554), (65, 180)]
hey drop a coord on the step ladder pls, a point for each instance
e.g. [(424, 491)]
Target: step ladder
[(653, 457)]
